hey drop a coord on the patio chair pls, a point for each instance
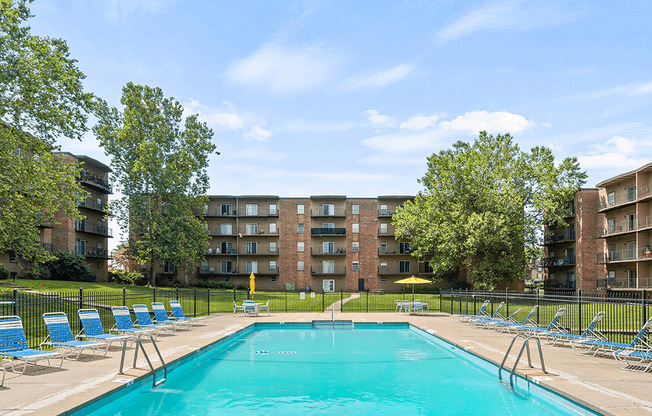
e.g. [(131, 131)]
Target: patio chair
[(124, 325), (593, 347), (633, 359), (417, 307), (481, 320), (177, 313), (145, 320), (553, 326), (264, 307), (13, 345), (481, 312), (92, 328), (249, 307), (60, 335), (510, 318), (404, 306), (237, 308), (161, 317), (590, 332), (508, 326)]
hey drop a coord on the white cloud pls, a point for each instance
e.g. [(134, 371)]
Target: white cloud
[(284, 70), (380, 79), (499, 121), (630, 90), (258, 133), (379, 119), (403, 142), (420, 122), (221, 119), (617, 152)]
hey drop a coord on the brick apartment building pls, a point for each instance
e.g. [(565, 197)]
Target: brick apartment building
[(327, 242), (570, 251), (625, 208), (88, 237)]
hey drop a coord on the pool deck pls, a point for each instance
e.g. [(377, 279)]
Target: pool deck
[(596, 382)]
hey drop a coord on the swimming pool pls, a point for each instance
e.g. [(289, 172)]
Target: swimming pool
[(305, 369)]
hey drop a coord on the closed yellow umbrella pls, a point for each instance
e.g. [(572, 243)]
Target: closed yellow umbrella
[(252, 284), (413, 281)]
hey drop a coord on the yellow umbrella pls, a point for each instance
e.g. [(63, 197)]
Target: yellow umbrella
[(252, 284), (413, 281)]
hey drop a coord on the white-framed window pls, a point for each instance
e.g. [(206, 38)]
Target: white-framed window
[(251, 209), (300, 265), (272, 265), (383, 265), (355, 266), (383, 228), (328, 247), (273, 246), (300, 247), (355, 247), (226, 228), (328, 266), (383, 246), (611, 225), (251, 247), (251, 228), (328, 225), (272, 209), (251, 266), (300, 228), (226, 209), (383, 209), (383, 280), (611, 198), (327, 209), (273, 228), (355, 209), (404, 266), (301, 209), (80, 246), (631, 193), (355, 228)]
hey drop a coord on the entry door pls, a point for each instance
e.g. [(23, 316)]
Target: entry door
[(329, 285), (360, 285)]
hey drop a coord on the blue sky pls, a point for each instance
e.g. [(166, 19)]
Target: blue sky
[(341, 97)]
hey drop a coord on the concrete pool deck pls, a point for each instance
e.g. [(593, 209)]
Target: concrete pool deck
[(596, 382)]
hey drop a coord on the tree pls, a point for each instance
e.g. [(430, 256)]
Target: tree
[(70, 266), (483, 207), (159, 161), (41, 99)]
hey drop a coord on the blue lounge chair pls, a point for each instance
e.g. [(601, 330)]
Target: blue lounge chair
[(510, 319), (508, 326), (145, 320), (161, 317), (60, 335), (264, 307), (124, 325), (634, 360), (481, 312), (417, 307), (553, 326), (13, 345), (177, 313), (591, 332), (481, 320), (92, 328), (236, 308), (594, 347)]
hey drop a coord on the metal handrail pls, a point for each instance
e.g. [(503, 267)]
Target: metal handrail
[(526, 346), (151, 367)]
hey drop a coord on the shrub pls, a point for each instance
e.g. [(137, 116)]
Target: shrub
[(127, 278), (35, 273), (70, 266), (242, 286), (4, 272), (215, 285)]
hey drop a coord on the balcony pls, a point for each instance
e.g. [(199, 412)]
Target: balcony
[(559, 262), (617, 256), (626, 283), (385, 213), (394, 252), (258, 251), (644, 192), (394, 269), (216, 212), (216, 232), (258, 233), (333, 270), (96, 181), (623, 227), (559, 238), (336, 251), (328, 232), (220, 252), (619, 199), (211, 270), (96, 253), (259, 213), (328, 213), (266, 271), (99, 229), (92, 204)]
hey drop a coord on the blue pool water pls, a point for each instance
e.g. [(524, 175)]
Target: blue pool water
[(300, 370)]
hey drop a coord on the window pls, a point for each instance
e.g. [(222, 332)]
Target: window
[(169, 267), (611, 225), (571, 208), (300, 228), (404, 248), (631, 250), (570, 232), (404, 266), (226, 247), (226, 266), (272, 265), (631, 278), (355, 247), (611, 198), (383, 228), (272, 247), (328, 225), (98, 201), (611, 277), (251, 209), (383, 265), (300, 246), (300, 209), (539, 275), (631, 193), (383, 209), (226, 228), (631, 222), (80, 247), (427, 268), (80, 225), (251, 228), (570, 279), (251, 266), (272, 209), (300, 265), (328, 209), (355, 228), (272, 228), (226, 209), (251, 247), (383, 280), (611, 249), (355, 209), (355, 266), (272, 279), (99, 264), (383, 246), (12, 257), (328, 247), (328, 266)]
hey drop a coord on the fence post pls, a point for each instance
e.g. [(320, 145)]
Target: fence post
[(286, 300), (466, 296), (16, 302), (507, 301), (195, 301), (154, 294), (451, 301), (81, 306), (643, 301), (177, 292), (341, 299), (323, 301), (440, 302), (234, 299), (124, 296), (208, 301), (579, 311), (538, 306), (475, 306), (367, 300)]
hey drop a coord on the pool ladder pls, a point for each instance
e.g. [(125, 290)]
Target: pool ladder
[(139, 343), (525, 346)]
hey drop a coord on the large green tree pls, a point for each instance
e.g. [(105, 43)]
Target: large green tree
[(41, 100), (159, 159), (483, 206)]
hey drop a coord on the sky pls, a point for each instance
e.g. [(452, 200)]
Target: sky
[(350, 98)]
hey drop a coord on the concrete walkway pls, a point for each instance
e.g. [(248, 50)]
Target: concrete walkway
[(595, 382)]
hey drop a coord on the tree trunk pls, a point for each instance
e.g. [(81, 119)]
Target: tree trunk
[(152, 276)]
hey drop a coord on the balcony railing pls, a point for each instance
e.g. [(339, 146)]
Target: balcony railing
[(394, 251), (216, 212), (328, 212), (335, 270), (259, 251), (385, 213), (626, 283), (208, 270), (219, 251), (100, 229), (619, 198), (320, 251), (644, 191), (559, 261), (559, 238), (92, 204), (259, 213), (395, 269), (98, 253), (341, 232), (622, 227), (259, 232), (95, 180), (217, 232), (617, 255)]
